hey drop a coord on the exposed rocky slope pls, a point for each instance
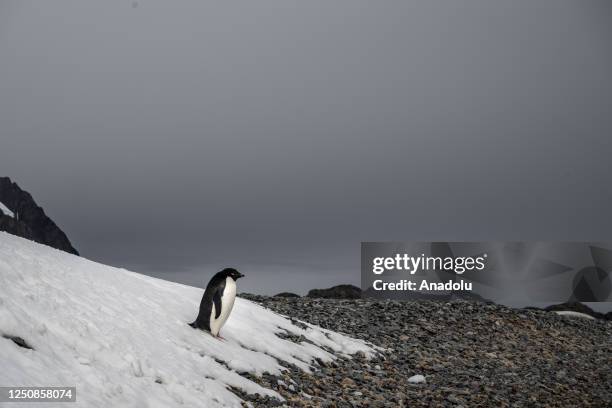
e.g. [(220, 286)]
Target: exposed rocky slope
[(471, 354), (28, 219)]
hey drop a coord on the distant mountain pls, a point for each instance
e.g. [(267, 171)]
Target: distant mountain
[(20, 215), (354, 292), (287, 295), (418, 295), (336, 292)]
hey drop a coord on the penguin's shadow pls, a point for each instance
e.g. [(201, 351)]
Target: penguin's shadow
[(219, 338)]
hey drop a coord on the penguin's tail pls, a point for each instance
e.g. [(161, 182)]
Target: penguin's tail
[(193, 325)]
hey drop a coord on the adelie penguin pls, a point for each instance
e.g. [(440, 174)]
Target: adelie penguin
[(217, 302)]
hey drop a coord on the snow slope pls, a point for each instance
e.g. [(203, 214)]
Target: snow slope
[(122, 338)]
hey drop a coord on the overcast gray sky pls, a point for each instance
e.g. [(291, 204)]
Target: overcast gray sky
[(174, 138)]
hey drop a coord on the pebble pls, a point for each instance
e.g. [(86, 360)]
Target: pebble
[(416, 379)]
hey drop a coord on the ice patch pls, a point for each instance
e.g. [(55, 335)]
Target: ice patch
[(571, 313), (5, 210)]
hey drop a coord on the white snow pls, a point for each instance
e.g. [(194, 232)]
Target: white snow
[(571, 313), (122, 338), (5, 210), (417, 379)]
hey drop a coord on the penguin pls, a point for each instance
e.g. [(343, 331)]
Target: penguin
[(217, 302)]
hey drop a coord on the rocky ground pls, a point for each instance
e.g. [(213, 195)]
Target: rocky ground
[(470, 354)]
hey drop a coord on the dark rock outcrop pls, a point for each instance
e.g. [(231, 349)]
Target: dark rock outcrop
[(29, 220), (336, 292), (18, 341)]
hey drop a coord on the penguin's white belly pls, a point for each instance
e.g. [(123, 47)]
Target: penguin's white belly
[(227, 303)]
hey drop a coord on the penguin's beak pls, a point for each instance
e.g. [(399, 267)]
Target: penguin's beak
[(240, 275)]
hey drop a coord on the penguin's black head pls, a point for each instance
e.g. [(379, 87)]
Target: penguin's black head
[(234, 274)]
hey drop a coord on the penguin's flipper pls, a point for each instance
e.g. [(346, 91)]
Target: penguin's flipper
[(217, 302)]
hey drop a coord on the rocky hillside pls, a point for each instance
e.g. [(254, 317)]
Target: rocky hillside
[(451, 354), (20, 215)]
